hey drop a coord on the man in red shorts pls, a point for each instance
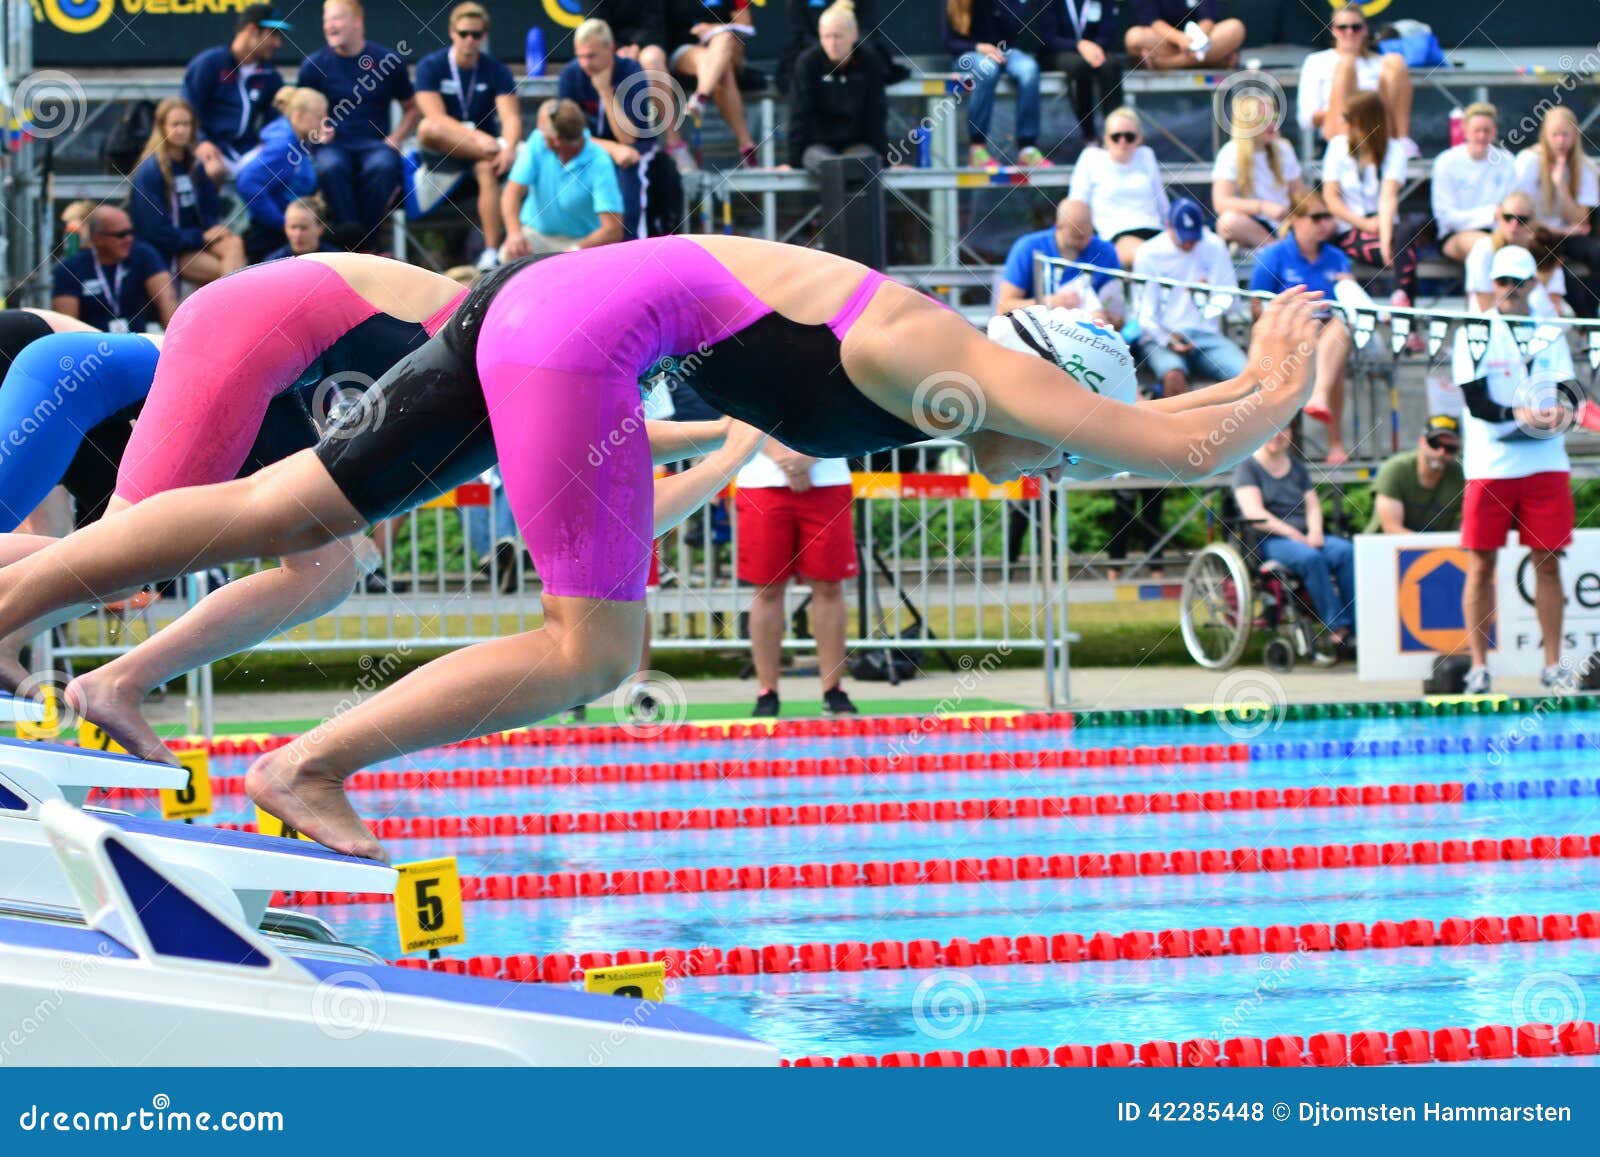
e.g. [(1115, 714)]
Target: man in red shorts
[(1519, 404), (795, 518)]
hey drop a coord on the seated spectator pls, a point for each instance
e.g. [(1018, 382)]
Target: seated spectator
[(1256, 174), (1362, 172), (639, 28), (1514, 225), (708, 52), (281, 170), (1420, 490), (114, 282), (1469, 181), (1177, 341), (359, 169), (470, 120), (804, 18), (1305, 257), (303, 226), (616, 98), (1354, 64), (231, 89), (1565, 189), (72, 225), (1092, 61), (794, 516), (1158, 35), (1072, 238), (563, 189), (1122, 185), (838, 107), (1275, 494), (175, 206), (995, 38)]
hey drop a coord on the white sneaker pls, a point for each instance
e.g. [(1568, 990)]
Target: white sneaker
[(488, 259), (1478, 682), (683, 158), (1562, 680)]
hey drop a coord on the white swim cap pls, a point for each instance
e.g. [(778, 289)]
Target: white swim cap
[(1094, 354)]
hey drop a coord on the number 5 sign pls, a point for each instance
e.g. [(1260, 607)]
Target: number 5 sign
[(427, 904)]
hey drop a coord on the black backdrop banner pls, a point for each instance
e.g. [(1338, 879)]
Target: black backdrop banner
[(128, 33)]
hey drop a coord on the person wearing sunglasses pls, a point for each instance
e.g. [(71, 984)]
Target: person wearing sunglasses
[(1256, 174), (1307, 257), (1469, 182), (1164, 34), (1122, 185), (1421, 490), (470, 122), (1514, 224), (115, 282), (1518, 408), (1353, 64), (1565, 189), (1362, 172)]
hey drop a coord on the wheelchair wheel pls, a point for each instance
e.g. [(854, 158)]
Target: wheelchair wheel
[(1278, 655), (1218, 609)]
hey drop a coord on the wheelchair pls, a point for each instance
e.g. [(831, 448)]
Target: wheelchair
[(1230, 591)]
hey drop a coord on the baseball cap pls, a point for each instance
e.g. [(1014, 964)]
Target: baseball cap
[(1443, 427), (1513, 261), (264, 16), (1092, 353), (1187, 219)]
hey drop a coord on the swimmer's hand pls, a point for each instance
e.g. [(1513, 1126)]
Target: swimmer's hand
[(1283, 344), (741, 445)]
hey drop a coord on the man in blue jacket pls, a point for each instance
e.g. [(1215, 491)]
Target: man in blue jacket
[(231, 88)]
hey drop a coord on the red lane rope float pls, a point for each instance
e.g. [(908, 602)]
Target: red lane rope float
[(716, 769), (1060, 948), (995, 869), (909, 811), (1411, 1046)]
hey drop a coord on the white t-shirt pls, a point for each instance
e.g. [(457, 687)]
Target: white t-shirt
[(1265, 186), (762, 473), (1528, 161), (1486, 452), (1480, 260), (1120, 197), (1361, 184), (1207, 263), (1466, 192), (1316, 81)]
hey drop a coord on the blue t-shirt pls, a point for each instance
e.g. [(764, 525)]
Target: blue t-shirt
[(485, 80), (359, 89), (566, 200), (1281, 265), (635, 96), (1019, 262), (233, 101), (107, 293)]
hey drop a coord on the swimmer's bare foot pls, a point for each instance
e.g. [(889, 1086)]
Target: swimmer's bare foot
[(311, 801), (113, 706)]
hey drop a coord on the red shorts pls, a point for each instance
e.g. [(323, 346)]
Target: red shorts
[(1539, 506), (783, 533)]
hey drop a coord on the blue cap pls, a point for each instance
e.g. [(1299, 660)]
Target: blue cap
[(264, 16), (1187, 219)]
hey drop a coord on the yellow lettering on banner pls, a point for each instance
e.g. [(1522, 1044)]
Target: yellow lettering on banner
[(270, 825), (427, 905), (639, 981), (194, 798)]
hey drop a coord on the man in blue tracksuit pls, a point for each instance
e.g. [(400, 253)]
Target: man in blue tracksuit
[(231, 88)]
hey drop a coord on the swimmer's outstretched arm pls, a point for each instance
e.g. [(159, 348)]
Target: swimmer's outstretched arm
[(680, 495), (674, 441)]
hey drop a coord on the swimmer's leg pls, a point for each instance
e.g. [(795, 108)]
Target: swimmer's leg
[(290, 506), (586, 649), (225, 622)]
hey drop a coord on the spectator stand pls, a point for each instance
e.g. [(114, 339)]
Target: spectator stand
[(1372, 339)]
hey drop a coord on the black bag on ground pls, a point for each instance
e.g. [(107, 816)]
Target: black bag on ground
[(126, 139), (1449, 675), (869, 665), (663, 195)]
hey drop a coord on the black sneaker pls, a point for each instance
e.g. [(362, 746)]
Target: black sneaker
[(766, 705), (836, 702)]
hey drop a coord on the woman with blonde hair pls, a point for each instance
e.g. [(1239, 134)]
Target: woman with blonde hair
[(1122, 185), (1565, 189), (1362, 172), (1514, 224), (1256, 174), (305, 224), (282, 170), (174, 205)]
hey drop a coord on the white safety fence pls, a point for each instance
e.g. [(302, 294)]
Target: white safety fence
[(950, 565)]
